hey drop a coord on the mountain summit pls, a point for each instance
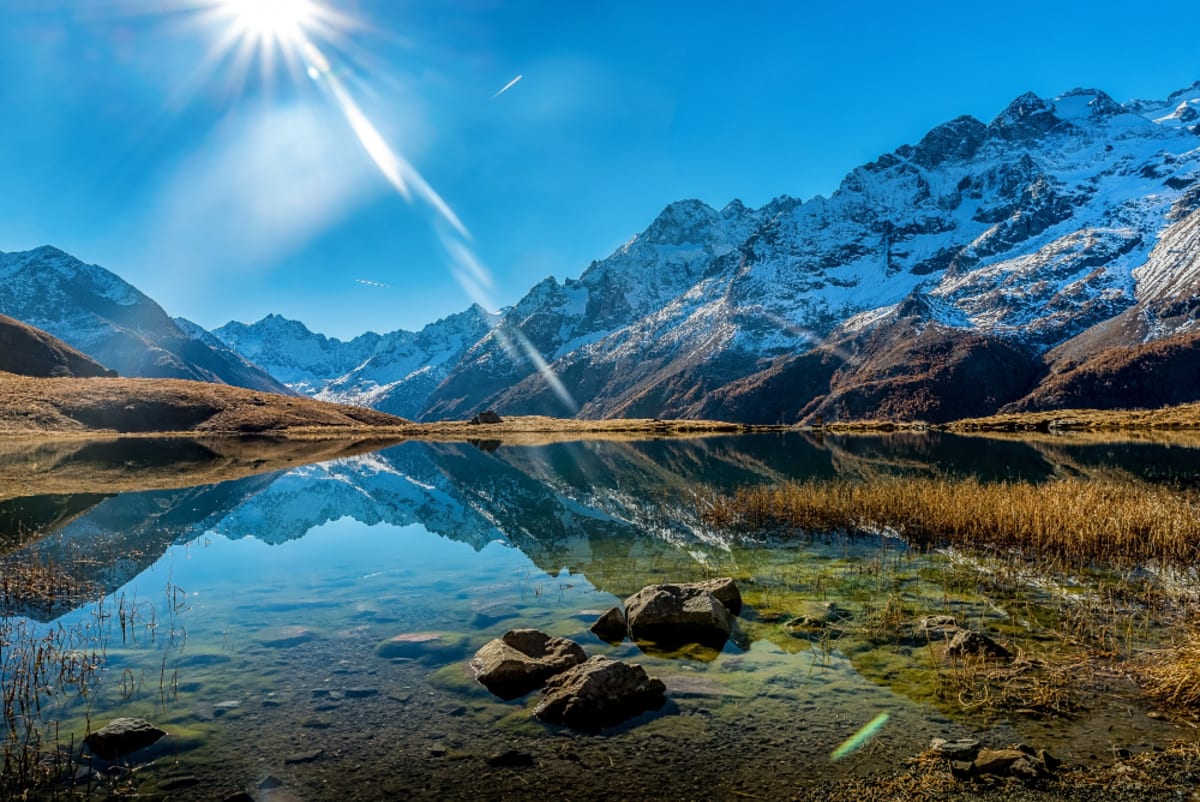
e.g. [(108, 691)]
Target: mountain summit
[(1008, 264)]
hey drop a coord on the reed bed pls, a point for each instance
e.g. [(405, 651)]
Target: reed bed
[(1172, 676), (1076, 520)]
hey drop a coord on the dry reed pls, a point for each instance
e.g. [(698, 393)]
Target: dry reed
[(1076, 520)]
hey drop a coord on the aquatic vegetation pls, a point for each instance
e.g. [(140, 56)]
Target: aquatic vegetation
[(1078, 520)]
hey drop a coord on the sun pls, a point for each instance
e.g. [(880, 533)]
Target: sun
[(280, 20)]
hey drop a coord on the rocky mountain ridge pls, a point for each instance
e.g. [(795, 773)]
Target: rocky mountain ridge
[(948, 278), (944, 278), (95, 311)]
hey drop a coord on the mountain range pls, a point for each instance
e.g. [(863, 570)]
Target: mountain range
[(94, 311), (1047, 258)]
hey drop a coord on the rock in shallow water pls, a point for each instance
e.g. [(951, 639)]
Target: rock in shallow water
[(599, 693), (521, 660), (122, 736), (611, 627), (672, 615)]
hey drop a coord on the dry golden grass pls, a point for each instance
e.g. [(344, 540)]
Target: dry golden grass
[(1172, 676), (33, 407), (1184, 416), (1072, 519)]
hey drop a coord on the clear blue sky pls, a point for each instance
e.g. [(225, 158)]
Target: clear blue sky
[(226, 195)]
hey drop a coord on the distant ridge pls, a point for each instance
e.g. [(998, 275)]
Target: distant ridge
[(103, 316)]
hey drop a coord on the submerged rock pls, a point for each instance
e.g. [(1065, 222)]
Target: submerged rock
[(123, 736), (521, 660), (599, 693), (612, 626), (671, 615), (416, 645)]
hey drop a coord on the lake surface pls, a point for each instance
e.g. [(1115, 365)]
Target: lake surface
[(254, 620)]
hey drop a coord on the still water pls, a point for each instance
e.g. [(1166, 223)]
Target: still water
[(304, 633)]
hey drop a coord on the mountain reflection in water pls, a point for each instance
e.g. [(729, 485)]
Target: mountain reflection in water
[(291, 624)]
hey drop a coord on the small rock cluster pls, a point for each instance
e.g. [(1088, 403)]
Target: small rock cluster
[(589, 694), (970, 761), (669, 616)]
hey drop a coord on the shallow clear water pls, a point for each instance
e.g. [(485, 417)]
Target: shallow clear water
[(253, 620)]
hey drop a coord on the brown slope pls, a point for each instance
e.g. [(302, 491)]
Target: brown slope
[(1157, 374), (166, 405), (923, 371), (29, 351)]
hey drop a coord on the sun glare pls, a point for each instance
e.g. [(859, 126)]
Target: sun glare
[(272, 19)]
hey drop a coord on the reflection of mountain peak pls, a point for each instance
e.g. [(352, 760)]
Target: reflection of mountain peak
[(590, 507)]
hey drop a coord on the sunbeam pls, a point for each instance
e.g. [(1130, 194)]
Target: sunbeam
[(293, 33)]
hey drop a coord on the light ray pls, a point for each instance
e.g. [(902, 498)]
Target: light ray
[(508, 86)]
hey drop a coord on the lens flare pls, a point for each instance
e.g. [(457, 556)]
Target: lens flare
[(297, 31), (278, 19)]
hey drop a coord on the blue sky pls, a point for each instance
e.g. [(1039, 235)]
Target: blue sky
[(231, 193)]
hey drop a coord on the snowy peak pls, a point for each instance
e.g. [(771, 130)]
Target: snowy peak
[(105, 317), (1027, 117)]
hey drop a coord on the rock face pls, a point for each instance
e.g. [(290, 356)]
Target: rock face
[(599, 693), (522, 660), (672, 615), (123, 736)]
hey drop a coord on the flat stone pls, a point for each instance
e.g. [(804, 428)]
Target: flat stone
[(287, 637), (509, 758), (414, 645), (303, 757), (361, 693), (178, 782), (960, 749)]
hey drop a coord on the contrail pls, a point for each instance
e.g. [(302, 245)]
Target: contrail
[(370, 283), (508, 86)]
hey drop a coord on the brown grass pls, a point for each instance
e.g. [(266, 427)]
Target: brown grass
[(1072, 519), (1184, 416), (1172, 676)]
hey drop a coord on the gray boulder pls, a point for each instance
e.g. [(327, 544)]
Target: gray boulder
[(521, 660), (122, 736), (599, 693), (673, 615)]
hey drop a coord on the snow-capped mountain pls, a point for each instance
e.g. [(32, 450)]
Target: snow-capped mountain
[(1009, 238), (951, 277), (944, 278), (96, 312), (393, 372)]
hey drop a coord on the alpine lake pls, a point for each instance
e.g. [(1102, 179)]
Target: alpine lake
[(305, 633)]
